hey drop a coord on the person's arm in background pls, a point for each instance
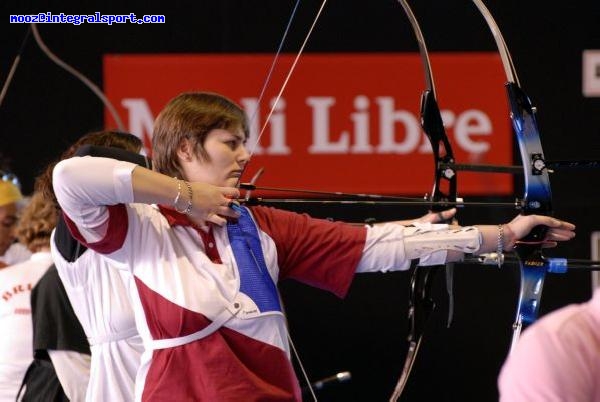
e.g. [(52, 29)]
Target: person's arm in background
[(557, 359)]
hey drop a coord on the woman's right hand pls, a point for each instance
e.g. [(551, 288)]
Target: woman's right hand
[(212, 204)]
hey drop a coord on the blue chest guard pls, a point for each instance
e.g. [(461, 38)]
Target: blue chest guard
[(255, 280)]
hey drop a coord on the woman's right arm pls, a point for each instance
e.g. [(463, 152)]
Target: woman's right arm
[(85, 186)]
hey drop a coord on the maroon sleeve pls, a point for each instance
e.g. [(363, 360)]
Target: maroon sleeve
[(115, 233), (317, 252)]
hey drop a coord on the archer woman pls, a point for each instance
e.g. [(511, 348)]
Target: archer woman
[(208, 307)]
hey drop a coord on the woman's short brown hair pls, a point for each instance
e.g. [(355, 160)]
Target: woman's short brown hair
[(191, 116)]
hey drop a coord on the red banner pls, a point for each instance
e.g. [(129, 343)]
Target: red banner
[(345, 122)]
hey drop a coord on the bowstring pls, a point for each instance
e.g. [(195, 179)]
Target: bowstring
[(286, 80)]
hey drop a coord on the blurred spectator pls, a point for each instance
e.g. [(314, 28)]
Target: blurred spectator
[(16, 282), (11, 201)]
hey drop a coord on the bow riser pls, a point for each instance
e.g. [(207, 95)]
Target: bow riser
[(537, 199), (537, 183)]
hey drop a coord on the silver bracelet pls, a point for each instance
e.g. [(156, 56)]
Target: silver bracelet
[(188, 207), (500, 245)]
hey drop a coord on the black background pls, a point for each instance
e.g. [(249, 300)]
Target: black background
[(46, 109)]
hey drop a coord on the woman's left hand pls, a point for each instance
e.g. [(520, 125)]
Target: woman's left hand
[(521, 225)]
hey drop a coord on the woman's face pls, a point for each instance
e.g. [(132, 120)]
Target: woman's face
[(227, 156)]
